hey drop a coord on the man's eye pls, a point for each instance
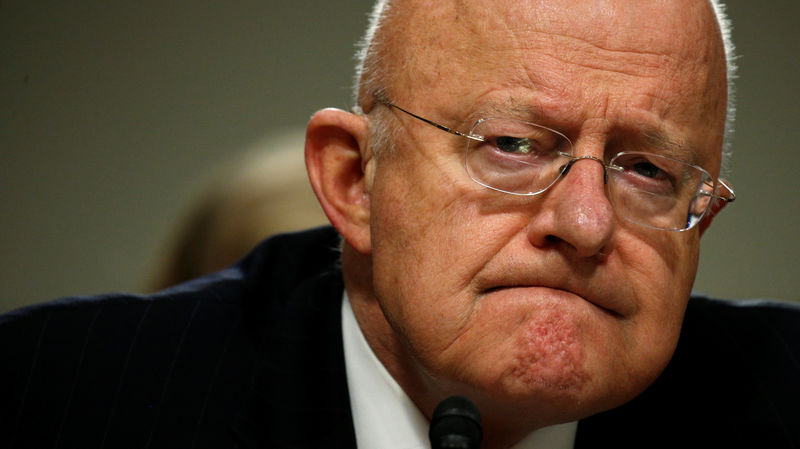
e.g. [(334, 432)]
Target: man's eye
[(647, 169), (518, 145)]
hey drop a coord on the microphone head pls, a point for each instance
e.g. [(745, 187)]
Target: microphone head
[(456, 424)]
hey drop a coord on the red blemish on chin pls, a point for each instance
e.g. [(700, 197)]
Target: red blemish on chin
[(549, 355)]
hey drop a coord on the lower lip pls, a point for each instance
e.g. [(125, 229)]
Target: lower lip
[(539, 296)]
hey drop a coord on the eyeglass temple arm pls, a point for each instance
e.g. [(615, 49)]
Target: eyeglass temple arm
[(727, 199), (434, 124)]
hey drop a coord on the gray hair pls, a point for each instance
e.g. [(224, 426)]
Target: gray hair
[(371, 79), (725, 28), (370, 75)]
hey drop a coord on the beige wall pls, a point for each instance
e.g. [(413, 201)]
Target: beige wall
[(112, 114)]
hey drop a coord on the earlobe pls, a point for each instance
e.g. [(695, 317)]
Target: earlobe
[(705, 222), (335, 155)]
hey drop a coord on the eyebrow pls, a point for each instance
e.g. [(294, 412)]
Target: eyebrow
[(668, 146), (508, 108)]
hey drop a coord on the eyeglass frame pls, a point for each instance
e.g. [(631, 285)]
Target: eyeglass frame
[(572, 160)]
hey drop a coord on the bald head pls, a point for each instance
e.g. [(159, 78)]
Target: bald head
[(409, 45)]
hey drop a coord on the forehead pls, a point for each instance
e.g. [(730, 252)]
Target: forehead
[(570, 60), (677, 29)]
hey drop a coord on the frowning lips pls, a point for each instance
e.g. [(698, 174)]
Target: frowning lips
[(610, 297)]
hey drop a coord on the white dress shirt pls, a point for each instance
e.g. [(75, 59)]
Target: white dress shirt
[(384, 416)]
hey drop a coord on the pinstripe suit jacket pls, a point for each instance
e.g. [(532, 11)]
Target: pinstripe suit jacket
[(252, 357)]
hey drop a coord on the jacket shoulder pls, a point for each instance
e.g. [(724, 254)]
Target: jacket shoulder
[(171, 367)]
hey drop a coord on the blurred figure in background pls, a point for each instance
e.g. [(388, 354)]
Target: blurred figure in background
[(264, 191)]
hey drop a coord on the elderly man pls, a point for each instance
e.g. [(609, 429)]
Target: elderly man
[(521, 197)]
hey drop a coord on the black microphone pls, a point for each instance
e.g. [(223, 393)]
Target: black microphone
[(456, 424)]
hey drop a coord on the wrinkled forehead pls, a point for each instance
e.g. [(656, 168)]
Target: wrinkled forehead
[(636, 64), (428, 41)]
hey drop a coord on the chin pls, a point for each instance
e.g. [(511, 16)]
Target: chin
[(549, 357), (556, 372), (541, 365)]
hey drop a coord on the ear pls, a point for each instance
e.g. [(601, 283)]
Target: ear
[(705, 222), (336, 153)]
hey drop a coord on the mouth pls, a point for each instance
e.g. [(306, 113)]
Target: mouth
[(602, 303)]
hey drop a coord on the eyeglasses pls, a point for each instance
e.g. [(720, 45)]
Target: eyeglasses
[(522, 158)]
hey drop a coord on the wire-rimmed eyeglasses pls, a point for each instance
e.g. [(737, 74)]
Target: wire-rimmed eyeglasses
[(523, 158)]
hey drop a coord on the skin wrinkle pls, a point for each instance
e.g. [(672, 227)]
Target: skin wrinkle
[(562, 269), (438, 174), (536, 115), (484, 106), (444, 350), (636, 59), (638, 64), (535, 81)]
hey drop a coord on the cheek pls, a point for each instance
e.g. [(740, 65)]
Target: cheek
[(428, 244), (660, 265), (661, 269), (418, 266), (427, 224)]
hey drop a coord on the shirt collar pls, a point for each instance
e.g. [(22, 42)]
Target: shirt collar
[(384, 417)]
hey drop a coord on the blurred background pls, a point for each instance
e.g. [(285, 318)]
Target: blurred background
[(115, 116)]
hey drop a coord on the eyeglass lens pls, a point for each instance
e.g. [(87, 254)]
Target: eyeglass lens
[(649, 189)]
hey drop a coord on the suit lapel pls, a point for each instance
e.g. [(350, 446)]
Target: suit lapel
[(300, 396)]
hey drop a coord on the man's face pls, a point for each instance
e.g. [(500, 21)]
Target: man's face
[(550, 303)]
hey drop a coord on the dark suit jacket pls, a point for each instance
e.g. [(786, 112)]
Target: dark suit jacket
[(252, 357)]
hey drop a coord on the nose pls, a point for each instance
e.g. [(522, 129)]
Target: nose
[(576, 212)]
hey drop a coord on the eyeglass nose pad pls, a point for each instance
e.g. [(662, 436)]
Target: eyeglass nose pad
[(564, 169)]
